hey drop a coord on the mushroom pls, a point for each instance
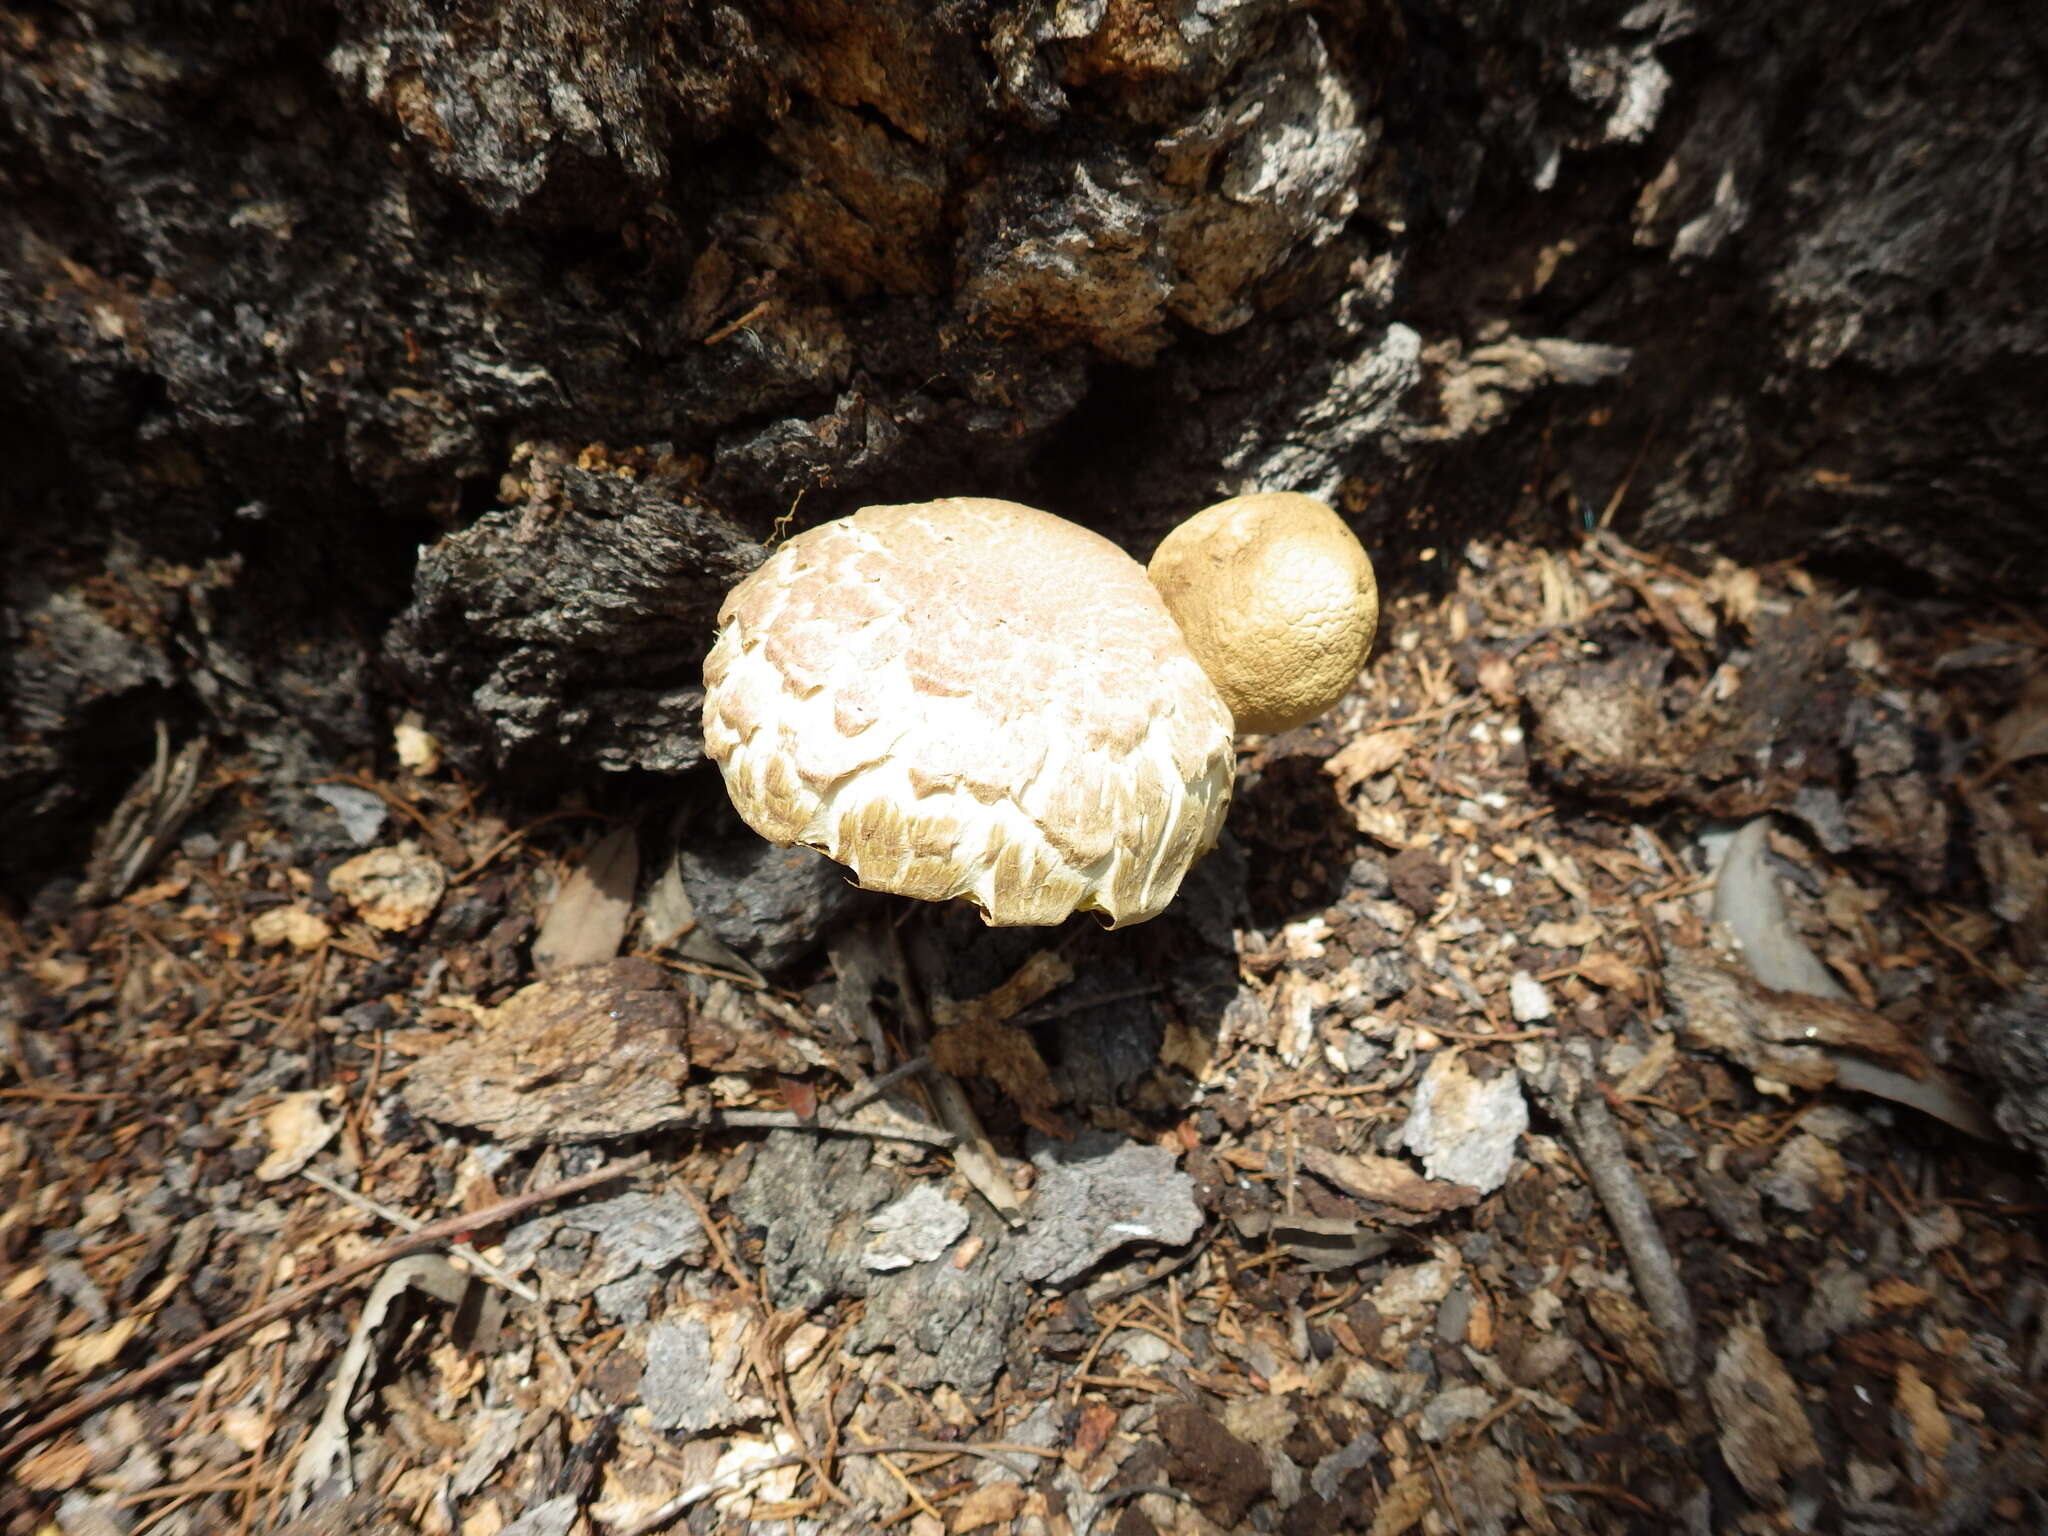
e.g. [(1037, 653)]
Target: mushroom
[(1277, 601), (974, 699)]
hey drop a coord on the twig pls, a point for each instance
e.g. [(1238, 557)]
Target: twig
[(280, 1306), (489, 856), (1146, 1282), (909, 1488), (740, 324), (1598, 1491), (464, 1251), (975, 1156), (1598, 1142), (755, 1294), (147, 820), (786, 1120), (777, 1381), (875, 1087), (1485, 1037), (749, 1290), (1443, 1490), (1109, 1325)]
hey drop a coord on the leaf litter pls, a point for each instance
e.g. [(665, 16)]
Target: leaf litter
[(1456, 1156)]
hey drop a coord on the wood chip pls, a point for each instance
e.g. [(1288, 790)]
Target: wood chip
[(1765, 1436), (596, 1053), (1387, 1181)]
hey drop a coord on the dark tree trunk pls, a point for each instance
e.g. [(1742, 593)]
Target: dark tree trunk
[(466, 350)]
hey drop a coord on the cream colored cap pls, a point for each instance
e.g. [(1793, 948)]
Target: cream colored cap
[(1278, 603), (974, 699)]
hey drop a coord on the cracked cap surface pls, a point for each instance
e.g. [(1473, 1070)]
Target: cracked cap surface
[(971, 699)]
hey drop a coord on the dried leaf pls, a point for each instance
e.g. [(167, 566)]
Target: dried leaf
[(586, 922), (2023, 732), (1368, 757), (59, 973), (1043, 974), (1479, 1332), (1003, 1054), (1747, 900), (1188, 1046), (1897, 1291), (2014, 865), (1736, 590), (22, 1281), (162, 890), (1576, 934), (86, 1353), (325, 1452), (1381, 823), (1806, 1172), (1318, 1243), (727, 1034), (1925, 1425), (247, 1426), (1646, 1073), (1497, 677), (297, 1127), (798, 1096), (1606, 969), (1097, 1420)]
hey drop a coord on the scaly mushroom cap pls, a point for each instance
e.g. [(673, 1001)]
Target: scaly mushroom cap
[(1278, 603), (970, 698)]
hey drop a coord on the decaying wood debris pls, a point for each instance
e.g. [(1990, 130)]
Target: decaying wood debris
[(1447, 1160)]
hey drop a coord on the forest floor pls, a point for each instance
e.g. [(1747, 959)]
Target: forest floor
[(372, 1158)]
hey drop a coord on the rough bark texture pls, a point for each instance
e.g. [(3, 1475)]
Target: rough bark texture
[(473, 346)]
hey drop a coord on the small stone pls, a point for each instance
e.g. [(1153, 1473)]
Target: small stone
[(1465, 1129), (418, 749), (362, 813), (1528, 999)]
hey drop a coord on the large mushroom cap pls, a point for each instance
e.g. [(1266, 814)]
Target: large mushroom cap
[(970, 698), (1277, 599)]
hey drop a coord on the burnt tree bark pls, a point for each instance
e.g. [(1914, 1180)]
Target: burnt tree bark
[(466, 349)]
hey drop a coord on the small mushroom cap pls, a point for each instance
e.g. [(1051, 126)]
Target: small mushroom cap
[(974, 699), (1278, 603)]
